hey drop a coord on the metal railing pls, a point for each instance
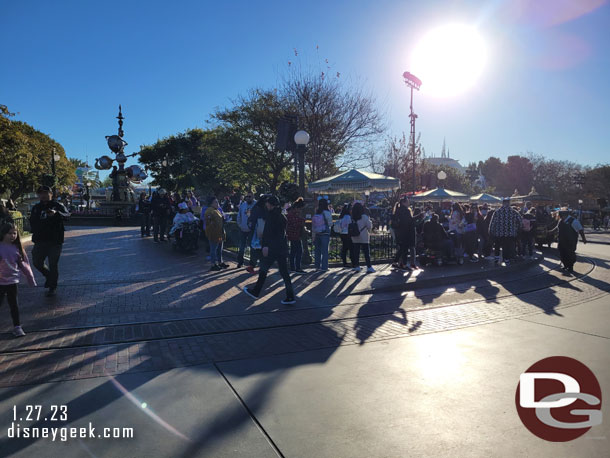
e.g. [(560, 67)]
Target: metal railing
[(383, 247)]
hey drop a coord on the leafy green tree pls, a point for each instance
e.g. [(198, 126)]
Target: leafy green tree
[(248, 134), (194, 159), (25, 157)]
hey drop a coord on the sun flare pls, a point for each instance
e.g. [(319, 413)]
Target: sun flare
[(449, 60)]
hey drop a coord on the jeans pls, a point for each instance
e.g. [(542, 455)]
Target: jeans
[(458, 243), (159, 226), (366, 248), (216, 252), (403, 252), (244, 240), (52, 251), (321, 242), (347, 246), (470, 243), (145, 224), (282, 265), (296, 253), (11, 295)]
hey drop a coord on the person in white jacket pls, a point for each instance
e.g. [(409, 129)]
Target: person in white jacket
[(245, 232), (362, 240)]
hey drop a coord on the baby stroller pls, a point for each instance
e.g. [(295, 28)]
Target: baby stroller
[(186, 237)]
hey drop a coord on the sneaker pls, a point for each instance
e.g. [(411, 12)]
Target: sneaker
[(370, 270), (250, 293), (357, 269), (18, 331), (224, 266), (215, 268), (51, 292), (250, 270), (289, 301)]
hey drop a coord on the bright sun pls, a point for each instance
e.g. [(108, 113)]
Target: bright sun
[(449, 60)]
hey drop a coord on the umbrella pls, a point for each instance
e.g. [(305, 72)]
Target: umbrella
[(440, 195), (354, 181), (485, 198)]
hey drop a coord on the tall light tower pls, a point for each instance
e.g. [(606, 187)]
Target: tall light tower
[(414, 83)]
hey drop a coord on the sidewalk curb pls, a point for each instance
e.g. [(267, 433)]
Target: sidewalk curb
[(453, 279)]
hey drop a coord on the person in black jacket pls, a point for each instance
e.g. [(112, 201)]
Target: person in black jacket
[(405, 235), (161, 209), (47, 223), (144, 211), (274, 248)]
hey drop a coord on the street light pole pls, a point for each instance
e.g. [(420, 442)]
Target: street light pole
[(301, 138), (53, 172), (414, 83)]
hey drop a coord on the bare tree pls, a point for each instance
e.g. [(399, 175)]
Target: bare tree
[(342, 120)]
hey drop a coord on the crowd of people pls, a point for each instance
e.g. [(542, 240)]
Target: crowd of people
[(275, 234)]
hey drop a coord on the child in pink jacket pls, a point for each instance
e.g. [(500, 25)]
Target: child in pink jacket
[(13, 260)]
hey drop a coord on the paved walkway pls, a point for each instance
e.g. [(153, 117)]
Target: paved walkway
[(134, 311)]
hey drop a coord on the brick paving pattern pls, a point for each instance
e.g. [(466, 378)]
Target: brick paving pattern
[(157, 310)]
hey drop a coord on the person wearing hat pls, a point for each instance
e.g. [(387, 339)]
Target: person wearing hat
[(184, 215), (504, 228), (47, 224), (274, 248), (568, 229)]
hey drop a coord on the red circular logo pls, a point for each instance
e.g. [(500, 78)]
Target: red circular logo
[(559, 399)]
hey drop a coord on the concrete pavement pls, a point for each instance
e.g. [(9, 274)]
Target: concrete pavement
[(335, 376)]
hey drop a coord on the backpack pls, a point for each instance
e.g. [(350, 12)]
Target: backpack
[(353, 230), (526, 225), (319, 223)]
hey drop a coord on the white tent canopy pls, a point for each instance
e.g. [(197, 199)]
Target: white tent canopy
[(354, 181)]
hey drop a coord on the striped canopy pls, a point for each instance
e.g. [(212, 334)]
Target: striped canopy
[(484, 197), (354, 181), (440, 194)]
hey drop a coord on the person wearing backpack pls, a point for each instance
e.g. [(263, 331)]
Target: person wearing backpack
[(320, 227), (359, 229), (528, 231), (568, 230), (346, 241)]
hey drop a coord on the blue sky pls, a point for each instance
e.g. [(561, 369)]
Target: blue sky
[(66, 66)]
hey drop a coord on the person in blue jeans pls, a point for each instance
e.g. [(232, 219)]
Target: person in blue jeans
[(245, 233), (320, 226)]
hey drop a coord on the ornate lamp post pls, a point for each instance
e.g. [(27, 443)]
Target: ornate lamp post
[(414, 83), (120, 175)]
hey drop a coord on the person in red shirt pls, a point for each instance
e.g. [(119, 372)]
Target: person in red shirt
[(294, 228)]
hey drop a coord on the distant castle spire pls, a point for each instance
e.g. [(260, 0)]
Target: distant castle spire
[(443, 149)]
